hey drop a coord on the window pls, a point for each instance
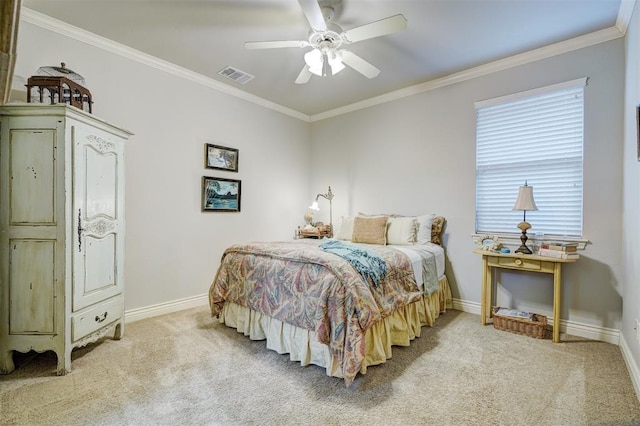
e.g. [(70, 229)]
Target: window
[(534, 137)]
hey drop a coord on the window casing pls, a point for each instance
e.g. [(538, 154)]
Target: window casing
[(535, 137)]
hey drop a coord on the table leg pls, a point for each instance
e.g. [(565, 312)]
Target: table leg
[(485, 296), (557, 277)]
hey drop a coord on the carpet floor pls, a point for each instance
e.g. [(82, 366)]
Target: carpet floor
[(187, 369)]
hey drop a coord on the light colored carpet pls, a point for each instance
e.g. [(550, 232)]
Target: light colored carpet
[(186, 369)]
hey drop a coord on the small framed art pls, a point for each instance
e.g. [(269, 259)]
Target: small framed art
[(220, 195), (488, 242), (220, 157)]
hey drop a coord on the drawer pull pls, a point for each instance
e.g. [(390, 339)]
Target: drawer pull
[(518, 262), (101, 318)]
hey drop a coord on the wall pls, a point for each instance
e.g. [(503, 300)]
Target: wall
[(631, 202), (409, 156), (417, 155), (172, 248)]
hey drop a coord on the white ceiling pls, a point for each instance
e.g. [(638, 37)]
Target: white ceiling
[(443, 37)]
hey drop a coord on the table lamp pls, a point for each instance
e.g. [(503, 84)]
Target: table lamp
[(525, 203)]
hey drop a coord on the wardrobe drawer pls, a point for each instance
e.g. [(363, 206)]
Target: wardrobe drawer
[(96, 317)]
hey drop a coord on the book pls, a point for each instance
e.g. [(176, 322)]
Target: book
[(560, 246), (565, 248), (558, 254)]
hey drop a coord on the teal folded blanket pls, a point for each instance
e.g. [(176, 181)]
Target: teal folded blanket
[(368, 263)]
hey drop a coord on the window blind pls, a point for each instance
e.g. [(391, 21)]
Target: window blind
[(534, 137)]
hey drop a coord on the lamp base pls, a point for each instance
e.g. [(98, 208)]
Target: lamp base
[(523, 238)]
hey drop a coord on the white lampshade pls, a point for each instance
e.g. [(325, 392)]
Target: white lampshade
[(318, 60), (525, 199), (335, 61), (314, 206), (314, 59)]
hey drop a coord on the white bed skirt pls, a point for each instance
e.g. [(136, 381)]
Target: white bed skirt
[(301, 345)]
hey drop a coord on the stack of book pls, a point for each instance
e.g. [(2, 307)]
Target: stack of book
[(559, 249)]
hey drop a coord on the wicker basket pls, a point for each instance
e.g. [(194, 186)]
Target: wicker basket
[(537, 327)]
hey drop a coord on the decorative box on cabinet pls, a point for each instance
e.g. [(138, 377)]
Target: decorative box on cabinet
[(61, 230)]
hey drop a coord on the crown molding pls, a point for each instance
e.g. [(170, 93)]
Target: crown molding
[(597, 37), (624, 15), (44, 21), (549, 51)]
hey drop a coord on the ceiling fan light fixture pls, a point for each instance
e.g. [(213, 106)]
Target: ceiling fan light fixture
[(314, 59), (334, 57)]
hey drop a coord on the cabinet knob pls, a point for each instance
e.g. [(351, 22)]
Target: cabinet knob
[(518, 262)]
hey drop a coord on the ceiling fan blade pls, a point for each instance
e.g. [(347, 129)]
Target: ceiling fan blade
[(379, 28), (314, 15), (359, 64), (274, 44), (304, 75)]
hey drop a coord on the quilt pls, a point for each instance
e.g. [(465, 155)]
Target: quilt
[(300, 284)]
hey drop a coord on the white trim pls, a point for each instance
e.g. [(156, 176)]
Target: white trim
[(579, 82), (466, 306), (588, 331), (632, 367), (597, 37), (586, 40), (624, 15), (54, 25), (138, 314)]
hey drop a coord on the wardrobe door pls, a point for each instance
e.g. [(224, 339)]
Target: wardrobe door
[(98, 216)]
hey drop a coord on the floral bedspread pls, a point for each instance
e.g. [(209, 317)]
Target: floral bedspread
[(300, 284)]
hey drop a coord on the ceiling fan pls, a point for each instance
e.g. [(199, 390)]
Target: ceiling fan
[(327, 57)]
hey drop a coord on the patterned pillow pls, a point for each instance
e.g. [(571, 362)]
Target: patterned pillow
[(370, 230), (437, 229)]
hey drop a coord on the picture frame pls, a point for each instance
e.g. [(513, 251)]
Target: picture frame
[(221, 157), (488, 242), (220, 194)]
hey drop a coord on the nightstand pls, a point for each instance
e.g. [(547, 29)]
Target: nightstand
[(319, 231), (523, 262)]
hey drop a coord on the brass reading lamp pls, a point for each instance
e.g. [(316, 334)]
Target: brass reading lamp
[(525, 203), (314, 206)]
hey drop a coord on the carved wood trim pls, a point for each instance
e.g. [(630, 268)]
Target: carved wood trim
[(9, 20)]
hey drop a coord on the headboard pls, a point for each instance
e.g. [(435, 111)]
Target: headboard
[(437, 230)]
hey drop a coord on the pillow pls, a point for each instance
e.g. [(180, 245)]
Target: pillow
[(345, 232), (370, 230), (437, 228), (402, 230), (424, 228)]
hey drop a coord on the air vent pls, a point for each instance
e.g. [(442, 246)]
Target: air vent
[(236, 75)]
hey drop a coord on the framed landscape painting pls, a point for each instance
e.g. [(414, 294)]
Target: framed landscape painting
[(220, 157), (220, 195)]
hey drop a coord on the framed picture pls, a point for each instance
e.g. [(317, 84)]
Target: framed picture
[(220, 195), (220, 157), (488, 242)]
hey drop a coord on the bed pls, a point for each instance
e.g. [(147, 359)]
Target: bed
[(320, 308)]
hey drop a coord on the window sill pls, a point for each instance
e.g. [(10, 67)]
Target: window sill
[(513, 239)]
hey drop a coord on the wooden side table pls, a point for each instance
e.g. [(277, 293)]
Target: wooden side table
[(319, 231), (522, 262)]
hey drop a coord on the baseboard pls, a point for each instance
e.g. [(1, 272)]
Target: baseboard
[(165, 308), (573, 328), (587, 331), (632, 367)]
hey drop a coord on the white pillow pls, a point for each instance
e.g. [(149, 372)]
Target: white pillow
[(345, 232), (424, 228), (402, 230)]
